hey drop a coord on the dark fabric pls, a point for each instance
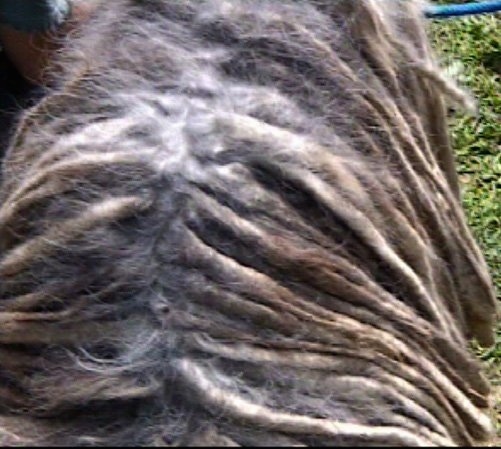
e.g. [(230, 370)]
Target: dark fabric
[(34, 15), (16, 94)]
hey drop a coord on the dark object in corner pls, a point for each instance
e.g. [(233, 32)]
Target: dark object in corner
[(16, 94)]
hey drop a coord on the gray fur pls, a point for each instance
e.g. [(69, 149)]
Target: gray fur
[(237, 223)]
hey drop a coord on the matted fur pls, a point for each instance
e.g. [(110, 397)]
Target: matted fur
[(237, 222)]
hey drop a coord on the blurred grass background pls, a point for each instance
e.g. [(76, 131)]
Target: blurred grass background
[(470, 48)]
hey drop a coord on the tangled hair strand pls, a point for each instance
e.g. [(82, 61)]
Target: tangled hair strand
[(238, 223)]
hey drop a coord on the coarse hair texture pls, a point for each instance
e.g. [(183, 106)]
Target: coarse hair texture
[(237, 222)]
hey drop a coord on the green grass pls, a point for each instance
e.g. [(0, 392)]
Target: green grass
[(471, 47)]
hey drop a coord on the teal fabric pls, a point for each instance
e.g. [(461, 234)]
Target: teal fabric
[(34, 15)]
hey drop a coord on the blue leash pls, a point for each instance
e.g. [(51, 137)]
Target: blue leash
[(466, 9)]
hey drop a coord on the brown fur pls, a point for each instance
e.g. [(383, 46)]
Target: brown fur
[(237, 223)]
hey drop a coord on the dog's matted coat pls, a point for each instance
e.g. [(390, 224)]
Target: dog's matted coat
[(238, 222)]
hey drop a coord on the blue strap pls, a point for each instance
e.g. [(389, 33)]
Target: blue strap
[(34, 15), (466, 9)]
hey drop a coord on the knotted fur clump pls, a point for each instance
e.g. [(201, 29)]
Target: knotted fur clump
[(237, 222)]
